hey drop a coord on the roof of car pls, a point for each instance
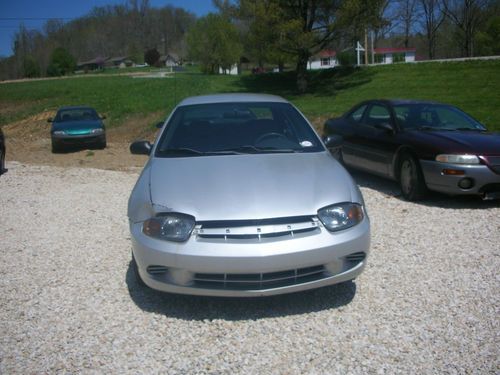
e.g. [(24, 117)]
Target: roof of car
[(403, 101), (231, 98), (75, 107)]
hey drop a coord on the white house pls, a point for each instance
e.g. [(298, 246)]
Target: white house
[(323, 60), (393, 55), (233, 71)]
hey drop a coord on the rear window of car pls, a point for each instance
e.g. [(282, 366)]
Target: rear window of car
[(230, 126)]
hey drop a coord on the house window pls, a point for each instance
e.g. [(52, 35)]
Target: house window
[(379, 59), (325, 61)]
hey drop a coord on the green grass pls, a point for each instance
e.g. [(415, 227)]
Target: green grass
[(473, 86)]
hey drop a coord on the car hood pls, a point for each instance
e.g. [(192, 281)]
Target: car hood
[(477, 143), (76, 126), (239, 187)]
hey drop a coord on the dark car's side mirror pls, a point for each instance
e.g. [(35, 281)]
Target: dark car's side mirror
[(103, 117), (140, 148), (159, 125), (385, 126), (50, 120), (332, 141)]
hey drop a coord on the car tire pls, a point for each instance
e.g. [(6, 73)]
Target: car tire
[(55, 148), (411, 179), (138, 277), (2, 161)]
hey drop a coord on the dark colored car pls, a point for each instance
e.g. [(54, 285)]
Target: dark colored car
[(423, 145), (77, 126), (2, 153)]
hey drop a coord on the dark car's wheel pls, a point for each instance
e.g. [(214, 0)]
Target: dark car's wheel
[(411, 178), (136, 272), (102, 144)]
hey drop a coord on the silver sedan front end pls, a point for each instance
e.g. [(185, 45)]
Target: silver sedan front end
[(241, 198), (254, 260)]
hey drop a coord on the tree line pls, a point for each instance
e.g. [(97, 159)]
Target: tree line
[(280, 33)]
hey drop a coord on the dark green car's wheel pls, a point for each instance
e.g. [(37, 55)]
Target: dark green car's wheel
[(56, 148), (2, 161), (411, 178)]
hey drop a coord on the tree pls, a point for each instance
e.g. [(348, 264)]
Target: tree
[(467, 16), (301, 28), (61, 63), (151, 56), (30, 67), (214, 42), (407, 14), (433, 17)]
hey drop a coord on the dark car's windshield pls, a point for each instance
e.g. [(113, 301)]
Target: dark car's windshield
[(229, 128), (76, 114), (434, 116)]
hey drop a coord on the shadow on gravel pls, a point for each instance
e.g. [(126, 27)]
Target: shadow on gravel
[(433, 199), (233, 309)]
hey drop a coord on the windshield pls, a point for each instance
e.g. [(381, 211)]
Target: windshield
[(234, 128), (76, 114), (434, 116)]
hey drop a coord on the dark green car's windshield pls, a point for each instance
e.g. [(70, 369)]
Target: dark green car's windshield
[(225, 128), (434, 117)]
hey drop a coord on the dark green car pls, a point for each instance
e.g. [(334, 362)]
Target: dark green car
[(77, 126)]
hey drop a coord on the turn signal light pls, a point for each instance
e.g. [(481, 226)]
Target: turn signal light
[(453, 172)]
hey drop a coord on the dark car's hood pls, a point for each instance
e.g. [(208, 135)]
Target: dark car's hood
[(469, 142), (76, 126), (249, 186)]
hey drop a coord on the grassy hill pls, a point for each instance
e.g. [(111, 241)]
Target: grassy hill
[(473, 86)]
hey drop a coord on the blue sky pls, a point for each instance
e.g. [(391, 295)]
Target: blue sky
[(68, 9)]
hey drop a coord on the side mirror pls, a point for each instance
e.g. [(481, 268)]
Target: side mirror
[(140, 148), (103, 117), (333, 141), (385, 126), (159, 125), (50, 120)]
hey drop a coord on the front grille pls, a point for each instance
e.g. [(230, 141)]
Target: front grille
[(356, 257), (257, 229), (259, 281)]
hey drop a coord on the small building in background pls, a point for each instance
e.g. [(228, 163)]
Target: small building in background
[(169, 60), (233, 71), (325, 59), (394, 55), (118, 62)]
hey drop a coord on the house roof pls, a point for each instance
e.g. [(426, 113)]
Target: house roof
[(327, 53), (97, 60), (169, 56), (393, 50)]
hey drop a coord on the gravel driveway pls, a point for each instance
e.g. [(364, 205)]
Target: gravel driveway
[(428, 301)]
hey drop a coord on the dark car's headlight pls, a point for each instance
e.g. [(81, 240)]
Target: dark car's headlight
[(59, 132), (97, 131), (341, 216), (169, 226)]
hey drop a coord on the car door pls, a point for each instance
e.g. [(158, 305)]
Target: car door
[(372, 146)]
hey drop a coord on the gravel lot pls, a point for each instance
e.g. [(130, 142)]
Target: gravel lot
[(428, 301)]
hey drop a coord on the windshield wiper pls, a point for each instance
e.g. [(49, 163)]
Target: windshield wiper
[(249, 149), (471, 129), (184, 151)]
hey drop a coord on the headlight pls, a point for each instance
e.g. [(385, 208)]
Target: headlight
[(59, 132), (170, 226), (97, 131), (341, 216), (458, 159)]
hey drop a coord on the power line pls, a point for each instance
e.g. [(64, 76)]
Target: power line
[(34, 18)]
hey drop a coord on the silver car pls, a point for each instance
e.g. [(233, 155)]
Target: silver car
[(241, 198)]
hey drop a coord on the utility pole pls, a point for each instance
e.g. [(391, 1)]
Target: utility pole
[(366, 47)]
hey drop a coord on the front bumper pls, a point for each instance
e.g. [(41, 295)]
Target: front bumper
[(78, 139), (485, 182), (249, 268)]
